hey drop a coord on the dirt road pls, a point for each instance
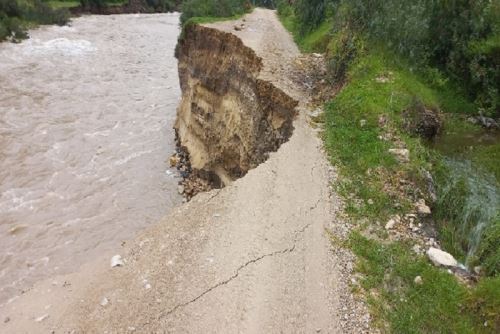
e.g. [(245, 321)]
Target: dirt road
[(253, 257)]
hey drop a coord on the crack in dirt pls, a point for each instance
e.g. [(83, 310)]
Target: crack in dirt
[(237, 272)]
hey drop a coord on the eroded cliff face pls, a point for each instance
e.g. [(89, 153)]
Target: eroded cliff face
[(228, 119)]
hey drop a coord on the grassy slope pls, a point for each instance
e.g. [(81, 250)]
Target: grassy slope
[(370, 178)]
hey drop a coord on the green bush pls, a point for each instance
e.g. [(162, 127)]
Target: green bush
[(15, 16)]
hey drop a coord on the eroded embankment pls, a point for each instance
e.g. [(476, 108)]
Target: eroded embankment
[(229, 119)]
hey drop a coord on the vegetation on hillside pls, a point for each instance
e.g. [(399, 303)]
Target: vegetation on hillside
[(18, 15), (393, 56)]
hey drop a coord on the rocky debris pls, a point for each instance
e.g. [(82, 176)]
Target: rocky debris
[(392, 222), (441, 258), (418, 280), (310, 73), (422, 208), (401, 154), (117, 261), (194, 185)]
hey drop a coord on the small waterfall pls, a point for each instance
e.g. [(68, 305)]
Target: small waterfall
[(471, 198)]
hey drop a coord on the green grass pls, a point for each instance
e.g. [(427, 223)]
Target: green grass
[(358, 151), (440, 305), (316, 41)]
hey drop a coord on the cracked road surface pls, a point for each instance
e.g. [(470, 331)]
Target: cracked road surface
[(253, 257)]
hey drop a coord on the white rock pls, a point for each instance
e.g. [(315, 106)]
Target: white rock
[(362, 123), (390, 224), (402, 154), (422, 208), (42, 318), (104, 302), (418, 280), (477, 270), (116, 261), (441, 258)]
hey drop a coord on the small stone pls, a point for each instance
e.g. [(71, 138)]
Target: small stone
[(390, 224), (370, 201), (362, 123), (441, 258), (180, 189), (147, 286), (401, 154), (42, 318), (318, 330), (6, 320), (104, 302), (417, 249), (418, 280), (131, 329), (116, 261), (422, 208)]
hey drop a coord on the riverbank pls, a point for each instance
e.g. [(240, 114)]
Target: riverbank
[(86, 114), (253, 256)]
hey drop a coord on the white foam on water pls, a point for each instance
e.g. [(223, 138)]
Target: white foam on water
[(64, 46)]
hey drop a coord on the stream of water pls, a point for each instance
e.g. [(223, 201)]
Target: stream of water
[(86, 116), (470, 194)]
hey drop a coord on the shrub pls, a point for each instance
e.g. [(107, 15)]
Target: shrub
[(15, 14)]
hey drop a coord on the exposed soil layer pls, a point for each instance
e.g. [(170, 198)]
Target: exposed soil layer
[(229, 118)]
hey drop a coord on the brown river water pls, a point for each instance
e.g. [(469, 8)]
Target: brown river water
[(86, 116)]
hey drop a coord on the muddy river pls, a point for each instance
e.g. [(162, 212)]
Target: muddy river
[(86, 116)]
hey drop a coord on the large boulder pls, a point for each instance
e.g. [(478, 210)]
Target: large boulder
[(441, 258)]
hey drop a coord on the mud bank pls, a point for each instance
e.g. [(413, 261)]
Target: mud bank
[(229, 118)]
